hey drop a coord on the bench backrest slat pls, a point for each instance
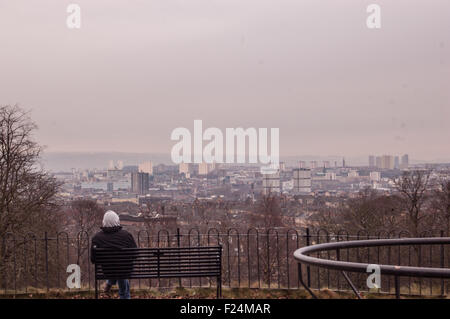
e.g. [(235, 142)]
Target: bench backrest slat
[(139, 263)]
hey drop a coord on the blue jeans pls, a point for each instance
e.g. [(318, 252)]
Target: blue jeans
[(124, 287)]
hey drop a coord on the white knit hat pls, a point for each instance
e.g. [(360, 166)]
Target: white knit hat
[(111, 219)]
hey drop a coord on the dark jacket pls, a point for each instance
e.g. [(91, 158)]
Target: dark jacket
[(113, 238)]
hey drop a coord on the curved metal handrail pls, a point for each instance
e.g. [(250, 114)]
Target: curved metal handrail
[(302, 256)]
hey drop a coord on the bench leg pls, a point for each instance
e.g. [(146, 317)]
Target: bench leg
[(219, 287), (96, 289)]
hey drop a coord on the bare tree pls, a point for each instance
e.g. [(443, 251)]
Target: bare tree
[(27, 192), (412, 187), (369, 212), (86, 214), (267, 213), (441, 206)]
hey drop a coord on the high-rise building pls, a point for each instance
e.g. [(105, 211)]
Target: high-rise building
[(396, 162), (378, 161), (271, 183), (120, 165), (146, 167), (203, 169), (302, 181), (313, 164), (140, 183), (405, 161), (387, 162), (326, 164), (372, 162), (301, 164)]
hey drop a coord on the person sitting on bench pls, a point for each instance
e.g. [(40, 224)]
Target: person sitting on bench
[(112, 236)]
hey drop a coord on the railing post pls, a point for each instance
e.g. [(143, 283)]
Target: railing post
[(308, 269), (58, 275), (442, 266), (300, 277), (397, 287), (15, 266), (3, 263), (338, 258), (46, 260), (179, 244)]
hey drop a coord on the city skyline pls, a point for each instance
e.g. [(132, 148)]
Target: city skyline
[(112, 160)]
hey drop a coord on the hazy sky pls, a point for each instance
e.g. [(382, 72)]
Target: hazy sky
[(138, 69)]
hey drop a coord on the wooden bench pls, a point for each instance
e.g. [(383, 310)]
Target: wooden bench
[(176, 262)]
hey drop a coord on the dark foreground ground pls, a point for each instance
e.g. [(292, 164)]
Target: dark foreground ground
[(201, 293)]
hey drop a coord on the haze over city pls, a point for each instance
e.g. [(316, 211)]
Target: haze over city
[(136, 70)]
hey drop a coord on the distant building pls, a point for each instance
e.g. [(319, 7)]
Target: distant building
[(375, 176), (372, 161), (301, 164), (146, 167), (140, 183), (111, 165), (396, 162), (378, 161), (125, 200), (130, 169), (114, 174), (302, 181), (313, 164), (203, 169), (353, 174), (211, 167), (183, 168), (288, 185), (326, 164), (405, 161), (387, 162), (271, 183)]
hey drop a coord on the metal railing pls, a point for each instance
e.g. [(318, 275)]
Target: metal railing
[(396, 270), (252, 258)]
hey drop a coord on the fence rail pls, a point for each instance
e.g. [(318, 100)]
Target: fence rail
[(254, 258)]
